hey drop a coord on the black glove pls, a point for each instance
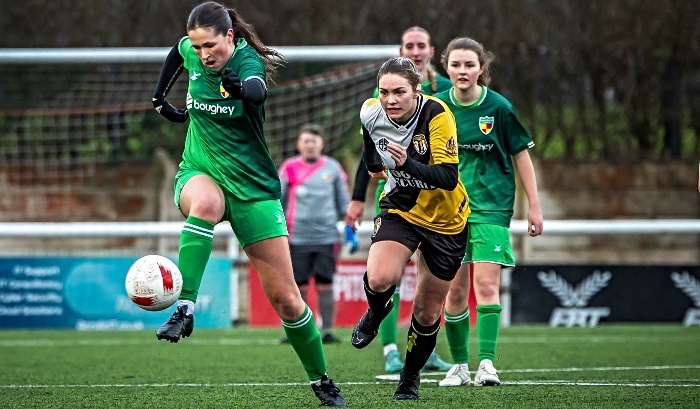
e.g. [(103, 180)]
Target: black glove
[(168, 111), (232, 83)]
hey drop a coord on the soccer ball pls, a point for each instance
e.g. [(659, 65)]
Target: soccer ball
[(153, 283)]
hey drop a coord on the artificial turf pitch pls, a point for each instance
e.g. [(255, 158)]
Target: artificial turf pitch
[(610, 366)]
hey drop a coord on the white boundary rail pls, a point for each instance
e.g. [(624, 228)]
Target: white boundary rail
[(173, 229), (158, 54)]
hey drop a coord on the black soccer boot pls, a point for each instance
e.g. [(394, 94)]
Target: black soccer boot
[(408, 386), (368, 326), (179, 325), (328, 393)]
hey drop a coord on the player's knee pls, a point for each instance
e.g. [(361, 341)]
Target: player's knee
[(486, 291), (379, 282), (426, 316), (457, 298), (288, 306), (207, 208)]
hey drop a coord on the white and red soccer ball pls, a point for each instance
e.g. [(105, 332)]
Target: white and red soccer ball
[(153, 282)]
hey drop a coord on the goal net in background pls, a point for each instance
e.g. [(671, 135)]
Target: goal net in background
[(59, 121)]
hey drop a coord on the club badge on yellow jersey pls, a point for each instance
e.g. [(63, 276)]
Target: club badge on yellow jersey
[(420, 144), (486, 124)]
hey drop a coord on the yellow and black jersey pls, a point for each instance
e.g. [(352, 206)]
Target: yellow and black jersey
[(430, 139)]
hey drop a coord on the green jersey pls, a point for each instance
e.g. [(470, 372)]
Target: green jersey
[(488, 134), (225, 138)]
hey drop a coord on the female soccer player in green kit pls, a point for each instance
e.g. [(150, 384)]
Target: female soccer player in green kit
[(489, 134), (227, 173), (416, 45)]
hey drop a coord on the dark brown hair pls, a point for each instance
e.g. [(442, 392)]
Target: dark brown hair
[(311, 128), (466, 43), (401, 66), (220, 19)]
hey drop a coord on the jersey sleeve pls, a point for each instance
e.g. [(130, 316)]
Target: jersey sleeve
[(443, 134), (252, 66), (517, 138), (183, 47)]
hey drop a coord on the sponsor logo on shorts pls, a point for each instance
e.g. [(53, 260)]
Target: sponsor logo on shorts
[(575, 299), (377, 225)]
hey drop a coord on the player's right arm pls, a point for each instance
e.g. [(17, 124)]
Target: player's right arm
[(172, 68)]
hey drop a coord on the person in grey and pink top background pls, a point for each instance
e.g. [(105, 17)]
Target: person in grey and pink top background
[(314, 198)]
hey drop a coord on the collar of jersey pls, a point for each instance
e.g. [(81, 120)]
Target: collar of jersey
[(476, 103), (412, 119)]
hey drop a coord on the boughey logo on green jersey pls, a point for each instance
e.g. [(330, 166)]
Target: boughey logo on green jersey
[(486, 124), (211, 108)]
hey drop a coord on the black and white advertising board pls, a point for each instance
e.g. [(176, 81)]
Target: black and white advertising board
[(588, 295)]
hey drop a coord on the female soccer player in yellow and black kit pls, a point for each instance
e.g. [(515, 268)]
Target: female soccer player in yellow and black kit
[(410, 140), (227, 173), (416, 45)]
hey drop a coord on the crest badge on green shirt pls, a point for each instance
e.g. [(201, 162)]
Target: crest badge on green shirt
[(486, 124)]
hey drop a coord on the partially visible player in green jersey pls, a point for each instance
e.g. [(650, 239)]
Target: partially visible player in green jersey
[(416, 45), (490, 137), (227, 173)]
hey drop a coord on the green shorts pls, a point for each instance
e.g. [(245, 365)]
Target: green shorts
[(251, 221), (489, 243)]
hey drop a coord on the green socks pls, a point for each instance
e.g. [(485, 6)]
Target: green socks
[(195, 248), (388, 327), (457, 332), (306, 341), (488, 321)]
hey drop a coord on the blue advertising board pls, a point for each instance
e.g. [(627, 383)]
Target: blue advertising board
[(87, 293)]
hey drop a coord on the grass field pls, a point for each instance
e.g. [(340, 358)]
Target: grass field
[(611, 366)]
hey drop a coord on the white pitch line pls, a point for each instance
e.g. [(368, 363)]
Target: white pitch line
[(276, 341), (287, 384), (395, 377)]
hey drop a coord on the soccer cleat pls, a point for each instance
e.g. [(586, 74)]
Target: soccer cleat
[(392, 362), (329, 338), (368, 326), (458, 375), (328, 393), (408, 386), (486, 375), (179, 325), (435, 363)]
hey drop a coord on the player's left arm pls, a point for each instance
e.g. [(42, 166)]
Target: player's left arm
[(517, 142), (527, 175), (248, 84)]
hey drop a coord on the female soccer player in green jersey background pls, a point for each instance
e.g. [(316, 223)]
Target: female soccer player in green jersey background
[(489, 134), (227, 173), (415, 45)]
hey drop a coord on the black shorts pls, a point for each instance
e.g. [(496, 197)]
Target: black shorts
[(319, 259), (443, 253)]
